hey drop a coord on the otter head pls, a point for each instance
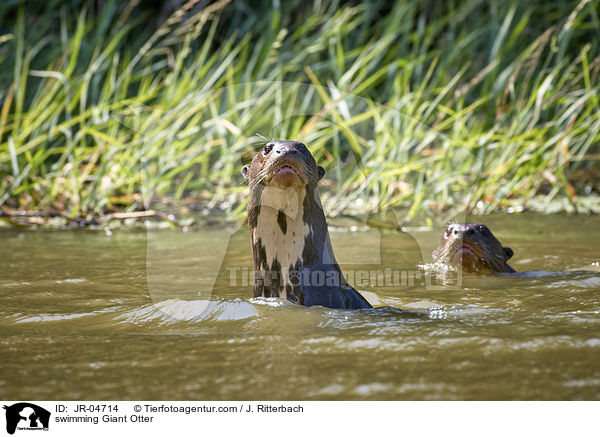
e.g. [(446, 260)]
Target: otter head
[(283, 164), (473, 247)]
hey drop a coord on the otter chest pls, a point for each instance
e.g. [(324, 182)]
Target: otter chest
[(279, 237)]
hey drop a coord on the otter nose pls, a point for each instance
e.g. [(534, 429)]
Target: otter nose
[(461, 229), (286, 151)]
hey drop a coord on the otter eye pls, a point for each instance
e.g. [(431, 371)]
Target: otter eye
[(267, 149), (484, 230)]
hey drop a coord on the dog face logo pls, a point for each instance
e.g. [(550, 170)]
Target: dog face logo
[(26, 416)]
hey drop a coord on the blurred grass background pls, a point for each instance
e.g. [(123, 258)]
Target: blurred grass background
[(111, 106)]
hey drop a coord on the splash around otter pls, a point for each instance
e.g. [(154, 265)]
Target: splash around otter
[(474, 248), (291, 249)]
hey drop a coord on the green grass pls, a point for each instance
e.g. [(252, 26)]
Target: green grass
[(450, 108)]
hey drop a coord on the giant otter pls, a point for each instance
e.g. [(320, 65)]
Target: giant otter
[(292, 253), (473, 247)]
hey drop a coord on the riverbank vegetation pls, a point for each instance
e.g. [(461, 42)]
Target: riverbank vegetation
[(423, 108)]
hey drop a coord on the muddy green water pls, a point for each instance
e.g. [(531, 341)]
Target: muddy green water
[(86, 315)]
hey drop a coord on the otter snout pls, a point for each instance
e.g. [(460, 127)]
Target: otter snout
[(461, 229), (287, 148)]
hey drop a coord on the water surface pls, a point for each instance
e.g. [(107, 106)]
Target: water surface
[(132, 315)]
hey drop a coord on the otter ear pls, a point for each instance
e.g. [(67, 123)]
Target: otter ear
[(245, 172), (508, 253), (321, 172)]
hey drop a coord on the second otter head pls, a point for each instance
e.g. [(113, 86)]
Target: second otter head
[(473, 247), (285, 164)]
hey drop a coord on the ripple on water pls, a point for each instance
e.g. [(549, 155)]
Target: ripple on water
[(548, 343), (172, 311), (576, 280), (50, 317)]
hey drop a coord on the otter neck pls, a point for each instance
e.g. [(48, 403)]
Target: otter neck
[(289, 236)]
